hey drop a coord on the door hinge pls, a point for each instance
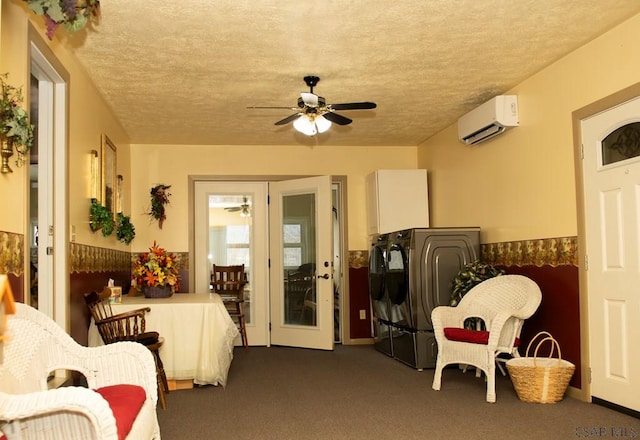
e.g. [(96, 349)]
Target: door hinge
[(589, 374), (581, 151), (586, 262)]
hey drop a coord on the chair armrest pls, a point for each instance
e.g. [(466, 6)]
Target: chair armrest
[(122, 362), (73, 411), (495, 328), (445, 316)]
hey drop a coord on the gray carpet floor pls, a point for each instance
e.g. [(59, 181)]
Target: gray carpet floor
[(355, 392)]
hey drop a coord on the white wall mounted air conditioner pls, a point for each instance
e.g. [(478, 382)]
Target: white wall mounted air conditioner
[(488, 120)]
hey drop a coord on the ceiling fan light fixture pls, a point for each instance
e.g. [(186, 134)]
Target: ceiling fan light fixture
[(311, 124), (305, 125), (322, 124)]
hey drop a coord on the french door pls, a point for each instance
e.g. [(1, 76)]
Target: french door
[(231, 228), (302, 297), (288, 300)]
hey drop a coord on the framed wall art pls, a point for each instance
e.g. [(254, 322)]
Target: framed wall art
[(109, 177)]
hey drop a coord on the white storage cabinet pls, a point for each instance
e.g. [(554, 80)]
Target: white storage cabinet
[(396, 200)]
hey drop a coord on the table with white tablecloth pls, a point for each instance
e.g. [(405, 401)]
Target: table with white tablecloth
[(198, 334)]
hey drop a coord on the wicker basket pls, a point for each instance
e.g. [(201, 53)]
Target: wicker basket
[(541, 380)]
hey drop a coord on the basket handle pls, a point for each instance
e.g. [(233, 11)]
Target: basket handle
[(546, 334), (554, 343)]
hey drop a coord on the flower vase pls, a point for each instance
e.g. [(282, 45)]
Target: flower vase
[(6, 151), (157, 291)]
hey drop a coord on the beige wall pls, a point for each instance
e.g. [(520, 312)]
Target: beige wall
[(171, 165), (88, 115), (521, 185)]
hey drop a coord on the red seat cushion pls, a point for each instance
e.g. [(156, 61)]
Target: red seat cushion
[(125, 402), (471, 336), (466, 335)]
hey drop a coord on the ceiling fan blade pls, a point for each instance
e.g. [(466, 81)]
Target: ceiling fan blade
[(287, 119), (309, 99), (233, 209), (338, 119), (261, 107), (354, 106)]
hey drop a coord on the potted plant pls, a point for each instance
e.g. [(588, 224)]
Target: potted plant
[(470, 275), (73, 14), (156, 273), (125, 232), (100, 218), (15, 129)]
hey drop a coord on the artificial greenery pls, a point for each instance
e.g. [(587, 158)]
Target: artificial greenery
[(125, 232), (159, 197), (14, 120), (471, 274), (73, 14), (100, 218)]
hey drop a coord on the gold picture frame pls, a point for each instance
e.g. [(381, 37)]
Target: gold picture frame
[(109, 186)]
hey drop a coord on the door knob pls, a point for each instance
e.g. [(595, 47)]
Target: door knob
[(325, 276)]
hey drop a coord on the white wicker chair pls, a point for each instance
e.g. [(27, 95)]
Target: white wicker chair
[(503, 303), (35, 347)]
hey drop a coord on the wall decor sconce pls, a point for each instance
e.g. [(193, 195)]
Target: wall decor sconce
[(95, 175), (119, 179)]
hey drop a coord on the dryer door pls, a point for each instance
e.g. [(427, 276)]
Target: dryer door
[(377, 281), (397, 281)]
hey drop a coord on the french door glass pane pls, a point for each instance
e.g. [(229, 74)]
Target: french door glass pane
[(299, 256), (230, 233)]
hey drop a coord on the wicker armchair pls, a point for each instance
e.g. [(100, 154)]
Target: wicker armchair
[(37, 346), (503, 303)]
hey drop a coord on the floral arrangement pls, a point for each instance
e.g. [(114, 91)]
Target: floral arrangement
[(73, 14), (14, 121), (159, 197), (156, 268)]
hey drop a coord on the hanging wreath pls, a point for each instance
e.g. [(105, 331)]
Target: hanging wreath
[(159, 197)]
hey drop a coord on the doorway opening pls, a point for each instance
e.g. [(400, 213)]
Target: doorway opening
[(46, 220)]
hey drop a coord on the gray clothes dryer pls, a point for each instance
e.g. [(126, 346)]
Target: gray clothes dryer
[(421, 264)]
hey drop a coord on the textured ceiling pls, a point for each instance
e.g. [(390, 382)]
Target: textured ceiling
[(184, 72)]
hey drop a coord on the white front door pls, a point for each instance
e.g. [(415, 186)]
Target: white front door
[(302, 298), (611, 170)]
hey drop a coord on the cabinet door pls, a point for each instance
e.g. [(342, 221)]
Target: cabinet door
[(397, 199)]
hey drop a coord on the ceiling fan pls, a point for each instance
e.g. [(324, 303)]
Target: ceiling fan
[(313, 115), (244, 208)]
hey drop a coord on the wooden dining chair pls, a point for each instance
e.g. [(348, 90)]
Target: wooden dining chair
[(128, 326), (229, 282)]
